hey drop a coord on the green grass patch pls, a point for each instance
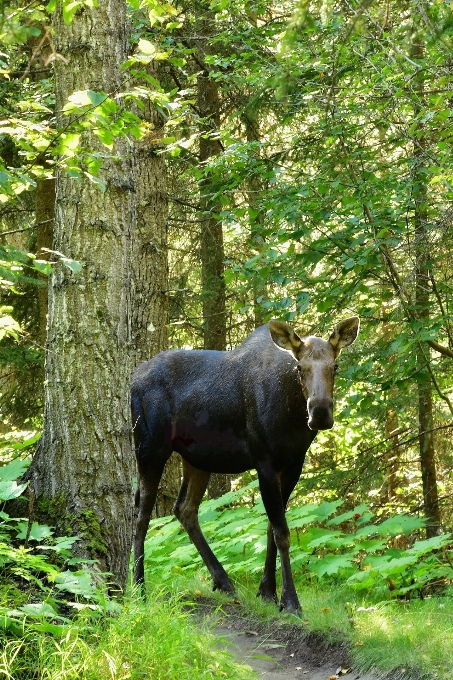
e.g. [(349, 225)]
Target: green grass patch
[(384, 636), (155, 640), (376, 583)]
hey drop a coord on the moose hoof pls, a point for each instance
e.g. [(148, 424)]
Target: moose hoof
[(267, 595), (225, 588), (291, 607)]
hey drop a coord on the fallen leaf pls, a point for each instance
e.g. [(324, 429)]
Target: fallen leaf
[(326, 609), (333, 677), (272, 646), (198, 593), (359, 643)]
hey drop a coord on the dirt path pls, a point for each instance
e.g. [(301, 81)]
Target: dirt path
[(278, 650), (286, 655)]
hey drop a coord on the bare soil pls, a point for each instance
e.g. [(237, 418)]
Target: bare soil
[(279, 650)]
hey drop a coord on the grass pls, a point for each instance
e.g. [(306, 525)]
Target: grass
[(391, 636), (160, 640), (154, 640)]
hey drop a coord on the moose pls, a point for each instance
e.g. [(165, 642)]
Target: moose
[(259, 407)]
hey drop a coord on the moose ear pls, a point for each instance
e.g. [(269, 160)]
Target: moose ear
[(284, 336), (344, 333)]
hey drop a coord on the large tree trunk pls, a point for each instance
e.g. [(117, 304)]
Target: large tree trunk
[(212, 250), (150, 267), (81, 475)]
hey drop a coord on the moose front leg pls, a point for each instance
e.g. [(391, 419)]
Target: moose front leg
[(274, 503), (268, 586)]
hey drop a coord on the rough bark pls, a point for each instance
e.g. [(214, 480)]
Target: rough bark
[(81, 475), (150, 272)]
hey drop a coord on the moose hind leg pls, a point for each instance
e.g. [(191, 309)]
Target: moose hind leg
[(194, 484), (145, 499)]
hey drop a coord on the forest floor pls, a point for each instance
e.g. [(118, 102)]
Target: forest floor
[(281, 650)]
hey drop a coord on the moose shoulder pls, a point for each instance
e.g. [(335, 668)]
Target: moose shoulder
[(254, 407)]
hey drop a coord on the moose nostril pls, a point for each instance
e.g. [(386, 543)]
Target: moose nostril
[(320, 415)]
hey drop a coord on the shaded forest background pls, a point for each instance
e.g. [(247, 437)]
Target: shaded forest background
[(288, 160)]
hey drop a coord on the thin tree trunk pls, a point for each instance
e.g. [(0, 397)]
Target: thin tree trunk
[(150, 267), (81, 475), (392, 459), (44, 218), (257, 222), (212, 249), (40, 49), (422, 301)]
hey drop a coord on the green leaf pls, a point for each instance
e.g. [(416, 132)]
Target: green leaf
[(400, 524), (106, 137), (433, 543), (37, 531), (10, 490), (40, 609), (43, 267), (330, 564), (9, 327), (78, 582), (73, 265), (70, 7), (13, 470)]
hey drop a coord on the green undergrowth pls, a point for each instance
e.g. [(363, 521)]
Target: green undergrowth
[(155, 640), (376, 583), (400, 638), (387, 556), (58, 623)]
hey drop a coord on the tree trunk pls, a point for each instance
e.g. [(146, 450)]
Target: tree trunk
[(392, 457), (44, 218), (82, 472), (150, 273), (40, 49), (255, 187), (212, 250), (422, 302)]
